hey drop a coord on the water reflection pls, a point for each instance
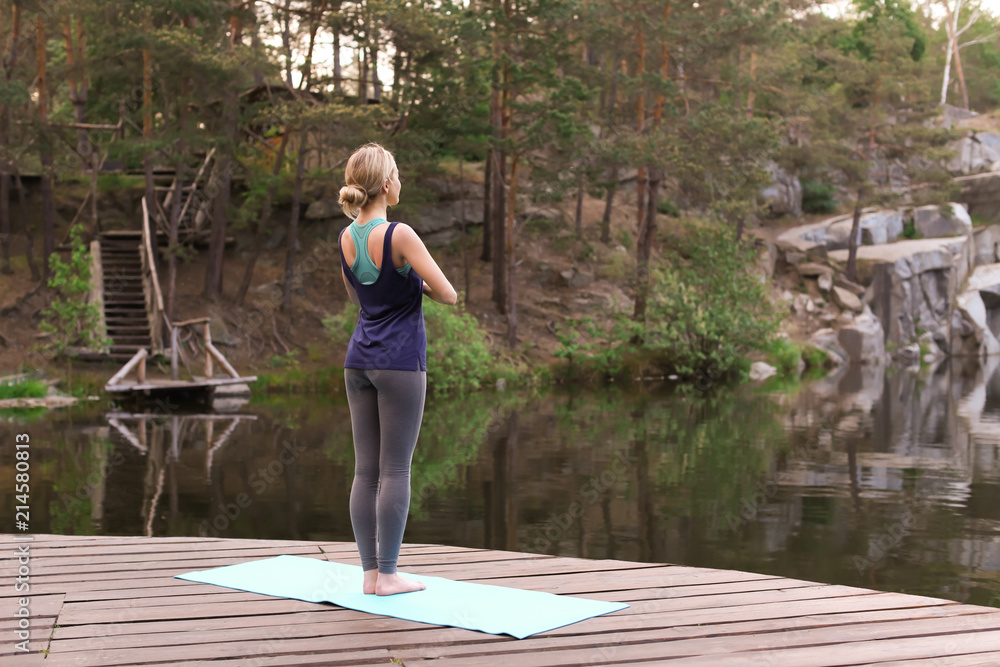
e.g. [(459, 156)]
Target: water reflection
[(888, 480)]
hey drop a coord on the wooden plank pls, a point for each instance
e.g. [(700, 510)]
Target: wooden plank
[(371, 657), (83, 563), (359, 623), (985, 659), (824, 647)]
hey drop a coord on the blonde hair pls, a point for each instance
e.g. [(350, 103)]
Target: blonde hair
[(367, 169)]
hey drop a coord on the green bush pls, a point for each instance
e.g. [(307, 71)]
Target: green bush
[(818, 197), (710, 309), (69, 317), (458, 354), (785, 355), (706, 310), (667, 207)]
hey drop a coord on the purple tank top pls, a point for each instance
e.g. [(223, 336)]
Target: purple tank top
[(390, 330)]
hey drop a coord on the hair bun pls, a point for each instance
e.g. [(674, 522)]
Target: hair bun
[(352, 199)]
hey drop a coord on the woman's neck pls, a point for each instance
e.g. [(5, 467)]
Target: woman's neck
[(374, 212)]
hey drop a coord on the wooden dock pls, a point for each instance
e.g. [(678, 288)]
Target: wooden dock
[(113, 601)]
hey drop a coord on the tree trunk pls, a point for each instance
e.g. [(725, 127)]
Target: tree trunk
[(949, 52), (314, 23), (753, 79), (644, 246), (258, 76), (609, 201), (147, 135), (338, 85), (461, 216), (265, 218), (9, 62), (852, 242), (175, 209), (498, 219), (640, 118), (487, 253), (376, 84), (5, 219), (77, 89), (29, 237), (286, 41), (45, 150), (293, 223), (363, 76), (579, 206), (509, 252), (959, 72)]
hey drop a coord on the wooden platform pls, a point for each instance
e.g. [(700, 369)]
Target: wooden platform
[(112, 601), (166, 384)]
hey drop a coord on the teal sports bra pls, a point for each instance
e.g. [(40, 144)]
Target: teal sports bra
[(364, 268)]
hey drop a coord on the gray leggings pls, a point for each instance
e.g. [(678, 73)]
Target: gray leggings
[(387, 407)]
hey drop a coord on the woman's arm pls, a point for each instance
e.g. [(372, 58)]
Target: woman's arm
[(436, 286)]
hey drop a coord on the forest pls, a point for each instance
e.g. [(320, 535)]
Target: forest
[(226, 111)]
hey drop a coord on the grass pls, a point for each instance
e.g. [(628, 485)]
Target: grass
[(24, 389)]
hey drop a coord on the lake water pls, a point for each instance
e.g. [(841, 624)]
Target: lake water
[(881, 479)]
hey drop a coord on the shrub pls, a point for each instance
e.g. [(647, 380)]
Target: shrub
[(458, 354), (708, 310), (667, 207), (69, 317), (818, 197)]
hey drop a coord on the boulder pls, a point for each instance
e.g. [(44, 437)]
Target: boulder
[(574, 279), (874, 228), (932, 222), (761, 371), (974, 153), (810, 269), (987, 240), (981, 193), (827, 340), (825, 282), (784, 195), (952, 116), (986, 280), (847, 300), (322, 209), (863, 340)]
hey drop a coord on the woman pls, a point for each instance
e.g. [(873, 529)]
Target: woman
[(386, 369)]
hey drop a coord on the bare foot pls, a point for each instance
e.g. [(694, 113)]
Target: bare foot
[(391, 584), (369, 585)]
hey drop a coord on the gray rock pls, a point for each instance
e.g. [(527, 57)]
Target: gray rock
[(793, 257), (761, 371), (827, 340), (574, 279), (810, 269), (931, 223), (219, 332), (974, 153), (987, 240), (825, 282), (981, 193), (322, 209), (863, 340), (847, 300), (784, 194), (952, 115)]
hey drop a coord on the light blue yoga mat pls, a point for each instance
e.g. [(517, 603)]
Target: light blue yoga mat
[(493, 609)]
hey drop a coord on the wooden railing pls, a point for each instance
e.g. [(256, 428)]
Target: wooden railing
[(151, 286)]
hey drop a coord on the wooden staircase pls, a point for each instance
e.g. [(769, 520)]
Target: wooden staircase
[(124, 298)]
